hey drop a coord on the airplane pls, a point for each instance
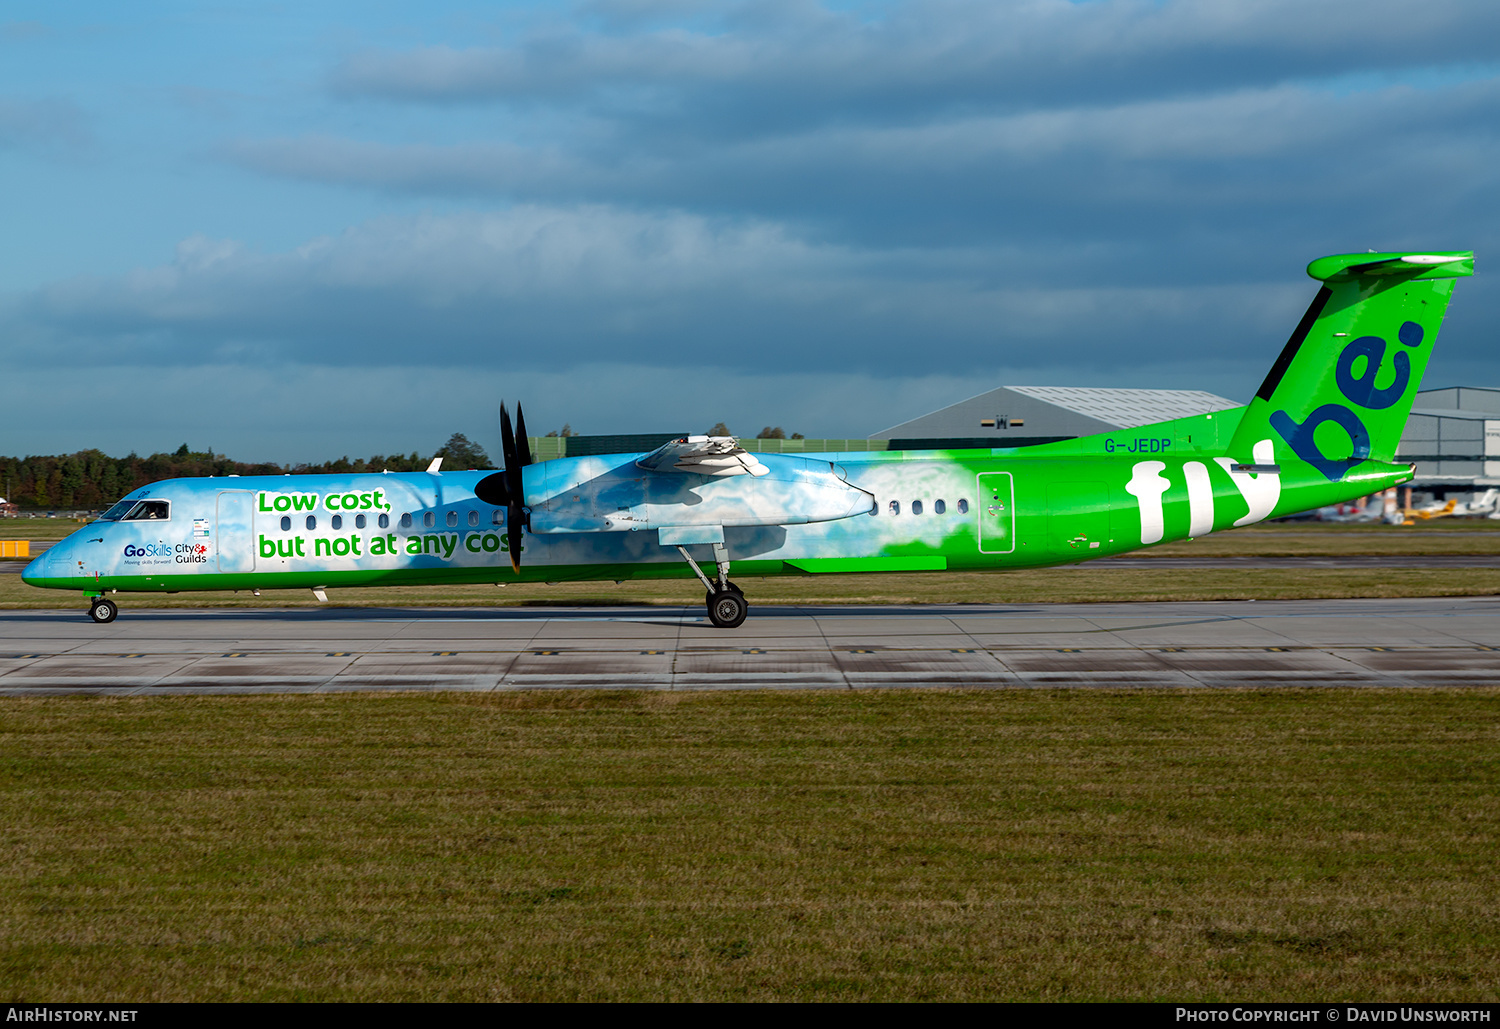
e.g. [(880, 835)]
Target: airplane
[(1321, 430)]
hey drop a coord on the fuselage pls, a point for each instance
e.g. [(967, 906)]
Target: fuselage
[(606, 518)]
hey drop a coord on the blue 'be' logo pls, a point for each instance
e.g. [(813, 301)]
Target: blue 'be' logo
[(1360, 391)]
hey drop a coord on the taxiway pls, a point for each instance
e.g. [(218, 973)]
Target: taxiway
[(1404, 643)]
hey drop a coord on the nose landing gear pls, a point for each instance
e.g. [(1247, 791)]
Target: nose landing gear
[(103, 610)]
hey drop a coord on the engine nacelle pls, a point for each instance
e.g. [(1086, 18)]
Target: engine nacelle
[(586, 494)]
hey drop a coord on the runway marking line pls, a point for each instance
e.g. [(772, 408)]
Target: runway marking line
[(444, 653), (753, 650), (545, 653), (338, 653), (236, 654)]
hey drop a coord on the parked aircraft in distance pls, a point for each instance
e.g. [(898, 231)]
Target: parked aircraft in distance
[(1321, 430)]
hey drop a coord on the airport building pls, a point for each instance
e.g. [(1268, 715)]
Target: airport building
[(1019, 416), (1453, 437)]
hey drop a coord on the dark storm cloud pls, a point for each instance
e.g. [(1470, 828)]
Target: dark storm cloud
[(1287, 164)]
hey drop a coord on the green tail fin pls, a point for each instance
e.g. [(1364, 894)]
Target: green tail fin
[(1341, 390)]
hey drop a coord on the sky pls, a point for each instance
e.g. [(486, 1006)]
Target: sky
[(289, 233)]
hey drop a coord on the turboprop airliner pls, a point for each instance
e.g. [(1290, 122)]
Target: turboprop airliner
[(1322, 429)]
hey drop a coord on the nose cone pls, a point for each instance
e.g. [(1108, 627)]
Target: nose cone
[(48, 567)]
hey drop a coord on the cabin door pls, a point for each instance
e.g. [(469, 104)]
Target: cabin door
[(235, 542), (996, 508)]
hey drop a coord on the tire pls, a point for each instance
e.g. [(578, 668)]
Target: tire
[(727, 609), (708, 598), (103, 611)]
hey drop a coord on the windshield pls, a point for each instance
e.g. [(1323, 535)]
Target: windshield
[(117, 512), (148, 510)]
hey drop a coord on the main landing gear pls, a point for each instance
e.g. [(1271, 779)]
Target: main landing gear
[(103, 610), (726, 604)]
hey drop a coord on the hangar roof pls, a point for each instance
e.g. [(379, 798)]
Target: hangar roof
[(1129, 408)]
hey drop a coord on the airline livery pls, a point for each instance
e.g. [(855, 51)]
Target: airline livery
[(1322, 429)]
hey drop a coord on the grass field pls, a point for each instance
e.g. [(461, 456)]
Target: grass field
[(888, 845)]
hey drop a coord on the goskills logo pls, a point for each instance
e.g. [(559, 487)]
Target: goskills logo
[(149, 550)]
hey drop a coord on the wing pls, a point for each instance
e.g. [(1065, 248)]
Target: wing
[(703, 455)]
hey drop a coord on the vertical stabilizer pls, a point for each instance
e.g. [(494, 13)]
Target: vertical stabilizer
[(1341, 390)]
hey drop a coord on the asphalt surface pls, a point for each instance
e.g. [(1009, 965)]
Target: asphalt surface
[(1356, 643)]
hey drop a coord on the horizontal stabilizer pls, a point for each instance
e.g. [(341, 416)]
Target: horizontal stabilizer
[(1343, 267), (703, 455)]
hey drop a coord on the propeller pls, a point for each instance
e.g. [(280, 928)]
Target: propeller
[(517, 453)]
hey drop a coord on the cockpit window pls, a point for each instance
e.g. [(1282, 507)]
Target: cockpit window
[(117, 512), (149, 511)]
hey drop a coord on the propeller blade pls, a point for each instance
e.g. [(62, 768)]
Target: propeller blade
[(523, 441), (515, 494), (507, 437)]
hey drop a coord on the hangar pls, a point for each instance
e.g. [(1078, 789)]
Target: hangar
[(1453, 437), (1019, 416)]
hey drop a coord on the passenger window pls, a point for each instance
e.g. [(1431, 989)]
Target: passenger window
[(429, 519), (150, 511), (963, 507), (916, 507), (497, 517), (895, 507), (286, 523), (385, 521), (473, 517), (406, 521), (359, 521), (337, 521), (938, 507), (452, 519), (312, 522)]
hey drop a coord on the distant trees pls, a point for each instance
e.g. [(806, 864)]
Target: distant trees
[(720, 429), (91, 479), (459, 453), (565, 432)]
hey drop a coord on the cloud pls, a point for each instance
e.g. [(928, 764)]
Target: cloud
[(1239, 170), (49, 125), (537, 287), (788, 63)]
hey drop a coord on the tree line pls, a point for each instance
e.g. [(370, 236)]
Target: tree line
[(92, 479)]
